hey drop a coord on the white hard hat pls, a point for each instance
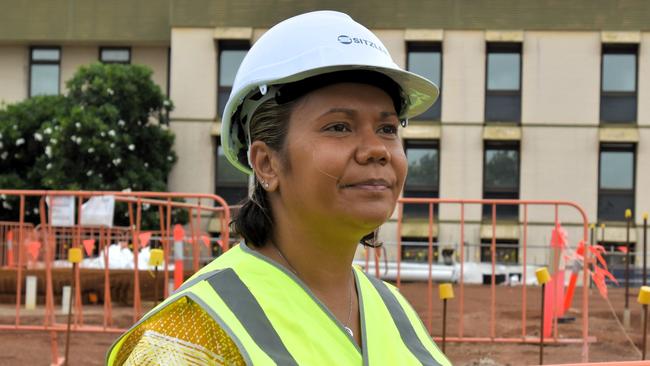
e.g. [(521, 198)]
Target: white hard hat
[(304, 46)]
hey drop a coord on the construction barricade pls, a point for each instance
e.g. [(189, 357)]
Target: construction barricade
[(116, 258), (561, 257)]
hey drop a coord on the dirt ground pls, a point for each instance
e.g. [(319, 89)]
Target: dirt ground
[(611, 344)]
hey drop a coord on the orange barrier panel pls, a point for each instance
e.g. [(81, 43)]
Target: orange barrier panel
[(492, 205), (42, 250)]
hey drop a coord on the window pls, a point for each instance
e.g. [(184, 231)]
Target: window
[(231, 184), (503, 84), (507, 251), (115, 55), (423, 175), (231, 54), (618, 100), (616, 181), (416, 250), (501, 178), (425, 59), (44, 71)]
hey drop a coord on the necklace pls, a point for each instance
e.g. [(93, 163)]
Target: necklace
[(345, 326)]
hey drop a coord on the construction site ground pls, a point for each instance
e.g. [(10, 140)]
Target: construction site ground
[(612, 343)]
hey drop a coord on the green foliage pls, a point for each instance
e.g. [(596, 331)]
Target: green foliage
[(108, 133)]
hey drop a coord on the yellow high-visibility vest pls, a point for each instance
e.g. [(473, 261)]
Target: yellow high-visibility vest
[(274, 319)]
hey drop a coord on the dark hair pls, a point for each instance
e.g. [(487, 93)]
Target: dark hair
[(270, 124)]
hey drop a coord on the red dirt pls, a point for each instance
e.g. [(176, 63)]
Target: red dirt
[(33, 348)]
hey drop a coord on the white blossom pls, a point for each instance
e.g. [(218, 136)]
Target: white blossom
[(170, 158), (89, 173), (111, 133), (121, 123), (0, 135), (15, 127), (131, 147), (91, 150), (1, 145), (146, 165), (166, 103), (36, 210), (47, 131), (73, 138), (48, 151), (102, 134), (38, 136), (6, 205), (48, 166), (78, 140), (117, 161), (112, 145), (20, 141), (77, 125), (4, 155), (110, 91), (53, 141), (3, 196)]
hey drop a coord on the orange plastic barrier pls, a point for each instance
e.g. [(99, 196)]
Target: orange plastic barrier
[(44, 248)]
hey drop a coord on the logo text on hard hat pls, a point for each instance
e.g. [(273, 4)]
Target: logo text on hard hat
[(349, 40)]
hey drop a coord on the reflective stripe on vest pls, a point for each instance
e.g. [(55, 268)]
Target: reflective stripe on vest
[(275, 319)]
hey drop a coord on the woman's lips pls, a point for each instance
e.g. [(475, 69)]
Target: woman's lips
[(370, 185)]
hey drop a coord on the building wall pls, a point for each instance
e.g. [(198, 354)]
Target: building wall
[(561, 78), (73, 57), (155, 57), (14, 71)]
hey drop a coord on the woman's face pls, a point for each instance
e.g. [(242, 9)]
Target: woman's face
[(345, 164)]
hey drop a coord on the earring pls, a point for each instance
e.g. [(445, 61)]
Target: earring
[(264, 184)]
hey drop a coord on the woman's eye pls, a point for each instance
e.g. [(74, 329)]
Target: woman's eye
[(338, 127), (388, 129)]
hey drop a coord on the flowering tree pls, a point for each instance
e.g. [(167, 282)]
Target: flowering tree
[(108, 133)]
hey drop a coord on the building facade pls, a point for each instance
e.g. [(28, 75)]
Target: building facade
[(539, 100)]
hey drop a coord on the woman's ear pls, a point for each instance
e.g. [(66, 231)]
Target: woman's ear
[(264, 165)]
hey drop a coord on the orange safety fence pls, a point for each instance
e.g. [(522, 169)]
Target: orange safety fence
[(460, 206), (40, 249)]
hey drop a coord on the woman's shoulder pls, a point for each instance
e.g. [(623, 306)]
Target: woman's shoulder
[(182, 330)]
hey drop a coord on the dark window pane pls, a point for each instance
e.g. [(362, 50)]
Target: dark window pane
[(422, 167), (505, 253), (44, 79), (503, 71), (227, 173), (229, 64), (504, 212), (501, 169), (619, 72), (612, 206), (419, 252), (618, 108), (420, 210), (46, 54), (121, 55), (425, 64), (431, 114), (232, 195), (503, 107), (222, 99), (617, 170)]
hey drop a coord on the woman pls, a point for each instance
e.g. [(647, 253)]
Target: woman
[(314, 117)]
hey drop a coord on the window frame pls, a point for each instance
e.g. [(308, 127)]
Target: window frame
[(622, 147), (425, 46), (500, 145), (115, 48), (43, 62), (619, 49), (434, 189), (420, 243), (227, 45), (502, 47), (228, 185)]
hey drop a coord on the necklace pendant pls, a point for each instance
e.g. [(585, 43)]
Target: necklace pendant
[(349, 331)]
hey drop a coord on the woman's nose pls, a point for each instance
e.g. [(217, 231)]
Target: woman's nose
[(372, 149)]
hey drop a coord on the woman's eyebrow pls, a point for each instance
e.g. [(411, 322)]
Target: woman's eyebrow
[(347, 111), (388, 114)]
